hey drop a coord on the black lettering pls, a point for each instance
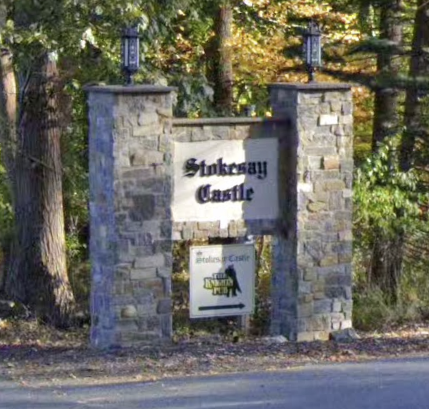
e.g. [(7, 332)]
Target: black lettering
[(241, 192), (251, 168), (191, 167), (249, 194), (241, 169), (234, 193), (237, 193), (203, 168), (222, 168), (212, 170), (203, 194), (231, 168), (262, 170), (220, 291), (226, 197), (216, 196), (208, 283)]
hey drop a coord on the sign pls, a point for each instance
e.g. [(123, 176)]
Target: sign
[(222, 280), (225, 180)]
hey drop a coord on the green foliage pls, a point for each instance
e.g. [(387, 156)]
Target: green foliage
[(373, 311), (388, 205), (361, 152), (363, 119), (195, 96), (370, 310), (414, 291), (6, 213), (387, 200), (6, 222), (261, 317), (74, 149)]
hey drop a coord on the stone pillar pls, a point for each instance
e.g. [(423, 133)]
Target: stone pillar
[(130, 193), (312, 252)]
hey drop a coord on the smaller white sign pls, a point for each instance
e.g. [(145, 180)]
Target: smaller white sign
[(222, 280)]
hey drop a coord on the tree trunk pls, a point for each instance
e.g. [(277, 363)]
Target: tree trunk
[(366, 20), (8, 109), (386, 268), (220, 61), (386, 117), (38, 273), (416, 123), (387, 259), (8, 102)]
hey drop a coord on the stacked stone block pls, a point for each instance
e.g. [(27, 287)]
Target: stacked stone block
[(209, 129), (130, 185), (312, 251)]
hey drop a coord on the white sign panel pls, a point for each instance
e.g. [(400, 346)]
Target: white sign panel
[(225, 180), (222, 280)]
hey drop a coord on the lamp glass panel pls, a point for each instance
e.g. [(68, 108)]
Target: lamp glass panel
[(133, 54), (125, 41), (315, 51), (309, 50)]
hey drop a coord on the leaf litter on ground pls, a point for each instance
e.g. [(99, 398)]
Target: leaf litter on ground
[(35, 354)]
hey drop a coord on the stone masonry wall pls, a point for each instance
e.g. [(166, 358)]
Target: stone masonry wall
[(131, 146), (312, 252), (130, 184)]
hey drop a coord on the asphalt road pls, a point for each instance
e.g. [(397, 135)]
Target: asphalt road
[(399, 384)]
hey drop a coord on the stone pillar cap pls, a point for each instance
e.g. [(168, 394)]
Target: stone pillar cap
[(129, 89), (311, 86)]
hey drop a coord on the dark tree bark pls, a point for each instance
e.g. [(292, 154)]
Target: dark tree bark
[(8, 101), (364, 15), (387, 256), (386, 113), (386, 268), (38, 273), (416, 121), (8, 109), (30, 137), (220, 61)]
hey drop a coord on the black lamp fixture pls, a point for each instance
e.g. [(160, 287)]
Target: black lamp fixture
[(130, 53), (312, 49)]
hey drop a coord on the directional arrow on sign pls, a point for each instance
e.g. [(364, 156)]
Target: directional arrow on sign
[(222, 307)]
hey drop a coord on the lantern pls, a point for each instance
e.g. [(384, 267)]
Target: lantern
[(130, 53), (312, 49)]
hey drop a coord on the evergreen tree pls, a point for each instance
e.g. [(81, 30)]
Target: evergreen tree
[(415, 116)]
